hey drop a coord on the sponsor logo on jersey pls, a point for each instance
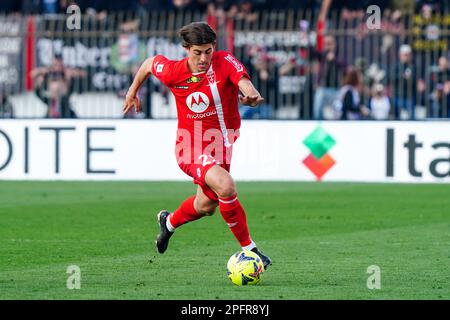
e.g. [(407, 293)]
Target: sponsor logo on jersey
[(201, 115), (194, 79), (181, 87), (234, 62), (197, 102), (159, 67)]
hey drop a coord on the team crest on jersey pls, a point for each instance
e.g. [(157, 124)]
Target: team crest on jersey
[(211, 76), (194, 79), (197, 102)]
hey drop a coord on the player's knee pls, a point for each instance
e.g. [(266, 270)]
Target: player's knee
[(210, 211), (207, 209), (222, 183), (227, 189)]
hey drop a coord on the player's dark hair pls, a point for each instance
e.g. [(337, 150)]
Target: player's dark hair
[(196, 34)]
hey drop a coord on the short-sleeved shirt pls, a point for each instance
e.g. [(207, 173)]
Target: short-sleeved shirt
[(207, 100), (208, 114)]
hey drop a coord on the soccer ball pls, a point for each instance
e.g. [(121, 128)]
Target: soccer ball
[(244, 268)]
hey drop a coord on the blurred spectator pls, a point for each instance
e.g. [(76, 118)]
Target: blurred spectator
[(351, 10), (185, 5), (403, 5), (245, 11), (148, 6), (330, 69), (90, 6), (360, 63), (407, 86), (440, 95), (103, 7), (120, 5), (299, 67), (379, 104), (374, 74), (53, 87), (264, 68), (348, 104), (30, 6), (10, 6), (312, 78), (260, 61), (50, 6), (129, 54), (430, 5), (6, 108), (292, 4), (202, 4), (220, 18), (220, 5), (392, 23)]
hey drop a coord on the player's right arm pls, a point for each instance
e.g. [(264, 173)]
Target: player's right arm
[(131, 99)]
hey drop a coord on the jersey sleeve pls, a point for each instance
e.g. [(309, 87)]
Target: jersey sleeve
[(162, 69), (236, 70)]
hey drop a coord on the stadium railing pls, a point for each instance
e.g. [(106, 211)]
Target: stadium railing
[(279, 48)]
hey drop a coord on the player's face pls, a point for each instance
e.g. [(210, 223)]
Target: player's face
[(200, 57)]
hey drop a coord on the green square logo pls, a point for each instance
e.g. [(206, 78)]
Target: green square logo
[(319, 142)]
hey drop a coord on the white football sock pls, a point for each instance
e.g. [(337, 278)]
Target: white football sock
[(169, 225), (249, 247)]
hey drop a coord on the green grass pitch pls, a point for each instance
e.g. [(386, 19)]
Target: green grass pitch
[(322, 237)]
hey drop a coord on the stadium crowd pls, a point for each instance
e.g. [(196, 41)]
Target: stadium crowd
[(341, 71)]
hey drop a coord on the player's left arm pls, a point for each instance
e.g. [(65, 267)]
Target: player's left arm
[(250, 96)]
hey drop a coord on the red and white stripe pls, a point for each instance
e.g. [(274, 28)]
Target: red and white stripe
[(227, 201), (210, 75)]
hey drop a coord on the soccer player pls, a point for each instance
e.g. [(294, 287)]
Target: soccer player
[(206, 85)]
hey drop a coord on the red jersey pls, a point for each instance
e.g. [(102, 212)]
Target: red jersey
[(208, 99)]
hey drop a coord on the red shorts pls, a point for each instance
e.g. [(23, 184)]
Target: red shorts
[(198, 172), (195, 158)]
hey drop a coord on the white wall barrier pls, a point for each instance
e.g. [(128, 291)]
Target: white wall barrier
[(267, 150)]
